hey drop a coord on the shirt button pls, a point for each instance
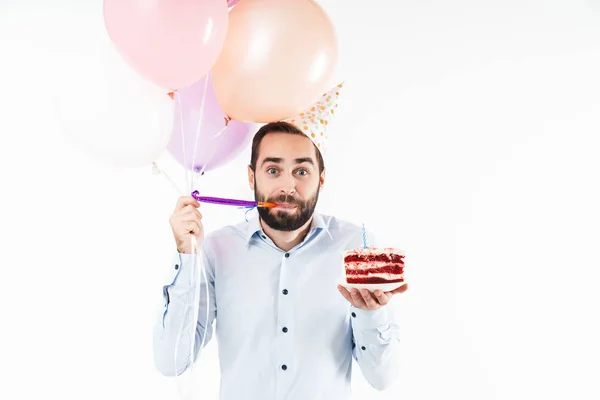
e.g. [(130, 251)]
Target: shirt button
[(353, 315), (176, 266), (263, 236), (284, 291), (287, 255), (363, 347), (284, 367), (285, 329)]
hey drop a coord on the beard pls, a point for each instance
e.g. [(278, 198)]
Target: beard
[(283, 220)]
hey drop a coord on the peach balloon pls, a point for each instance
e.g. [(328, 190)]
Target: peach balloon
[(278, 58)]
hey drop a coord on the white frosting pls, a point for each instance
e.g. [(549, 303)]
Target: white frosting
[(375, 251), (360, 265)]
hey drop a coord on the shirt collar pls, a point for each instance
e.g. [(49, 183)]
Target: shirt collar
[(253, 226)]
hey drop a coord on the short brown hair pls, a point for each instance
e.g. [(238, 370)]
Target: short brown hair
[(279, 127)]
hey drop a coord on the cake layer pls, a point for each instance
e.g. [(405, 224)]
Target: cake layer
[(379, 274), (375, 279), (368, 257), (383, 277), (374, 265), (386, 269)]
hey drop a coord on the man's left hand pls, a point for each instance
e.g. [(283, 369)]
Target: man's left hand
[(367, 300)]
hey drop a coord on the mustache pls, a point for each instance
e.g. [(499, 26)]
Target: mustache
[(285, 199)]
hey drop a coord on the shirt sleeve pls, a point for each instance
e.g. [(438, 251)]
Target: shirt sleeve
[(376, 345), (191, 282)]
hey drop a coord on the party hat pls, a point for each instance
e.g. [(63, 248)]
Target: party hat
[(314, 121)]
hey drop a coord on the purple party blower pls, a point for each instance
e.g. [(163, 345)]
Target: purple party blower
[(231, 202)]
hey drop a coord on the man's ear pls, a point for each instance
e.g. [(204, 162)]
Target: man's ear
[(251, 177), (322, 179)]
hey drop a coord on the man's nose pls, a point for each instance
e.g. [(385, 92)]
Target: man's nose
[(288, 185)]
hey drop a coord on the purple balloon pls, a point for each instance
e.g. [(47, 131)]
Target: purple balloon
[(197, 146)]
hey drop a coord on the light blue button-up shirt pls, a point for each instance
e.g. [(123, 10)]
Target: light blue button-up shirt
[(284, 331)]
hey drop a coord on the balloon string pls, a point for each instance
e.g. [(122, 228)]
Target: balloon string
[(217, 135), (196, 285), (194, 241), (176, 94), (197, 277), (198, 130), (195, 315), (181, 328), (173, 184), (200, 173)]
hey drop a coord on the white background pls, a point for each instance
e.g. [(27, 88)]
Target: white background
[(467, 134)]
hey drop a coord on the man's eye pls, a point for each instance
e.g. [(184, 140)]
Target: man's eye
[(272, 171), (302, 172)]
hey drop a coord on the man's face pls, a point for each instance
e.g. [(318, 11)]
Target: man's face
[(287, 173)]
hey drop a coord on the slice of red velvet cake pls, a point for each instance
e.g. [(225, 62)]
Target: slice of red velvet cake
[(372, 265)]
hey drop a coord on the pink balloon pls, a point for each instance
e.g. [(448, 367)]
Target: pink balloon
[(171, 43), (196, 146), (231, 3)]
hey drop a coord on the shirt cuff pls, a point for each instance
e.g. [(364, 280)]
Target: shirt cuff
[(183, 269), (180, 276), (369, 319)]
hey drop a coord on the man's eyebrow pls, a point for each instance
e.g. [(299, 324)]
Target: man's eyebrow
[(279, 160), (276, 160), (304, 160)]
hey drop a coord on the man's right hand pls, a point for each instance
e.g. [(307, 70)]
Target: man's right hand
[(186, 221)]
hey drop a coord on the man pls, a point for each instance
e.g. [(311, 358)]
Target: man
[(284, 330)]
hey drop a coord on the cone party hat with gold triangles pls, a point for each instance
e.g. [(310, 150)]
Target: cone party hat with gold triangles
[(314, 120)]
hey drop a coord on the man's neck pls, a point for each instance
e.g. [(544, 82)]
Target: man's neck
[(287, 240)]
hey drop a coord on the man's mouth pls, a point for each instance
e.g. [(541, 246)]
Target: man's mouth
[(285, 206)]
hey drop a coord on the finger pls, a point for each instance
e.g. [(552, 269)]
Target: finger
[(185, 201), (190, 214), (187, 209), (184, 224), (189, 227), (346, 294), (357, 299), (382, 298), (368, 298), (401, 289), (186, 213)]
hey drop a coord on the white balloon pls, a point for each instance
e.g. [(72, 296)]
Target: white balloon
[(109, 111)]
